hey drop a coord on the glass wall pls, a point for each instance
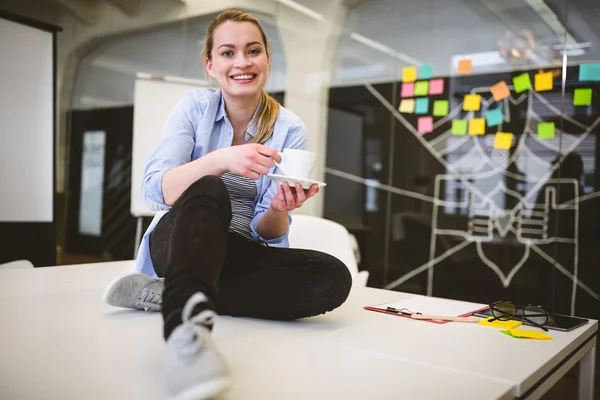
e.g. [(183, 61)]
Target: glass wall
[(460, 135), (474, 125)]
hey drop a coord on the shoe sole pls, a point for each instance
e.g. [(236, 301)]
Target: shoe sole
[(205, 390), (110, 286)]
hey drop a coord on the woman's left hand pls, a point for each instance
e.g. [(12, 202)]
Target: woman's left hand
[(289, 198)]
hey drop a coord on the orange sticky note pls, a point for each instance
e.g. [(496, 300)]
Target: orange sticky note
[(472, 102), (409, 74), (477, 126), (465, 67), (500, 91), (544, 81), (503, 140)]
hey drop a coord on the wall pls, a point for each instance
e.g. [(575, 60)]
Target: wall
[(457, 215)]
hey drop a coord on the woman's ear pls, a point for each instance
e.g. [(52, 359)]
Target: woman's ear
[(209, 67)]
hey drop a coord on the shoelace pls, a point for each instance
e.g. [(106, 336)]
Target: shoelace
[(150, 299), (205, 317), (190, 343)]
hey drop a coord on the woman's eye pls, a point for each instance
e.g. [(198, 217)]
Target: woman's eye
[(228, 53), (254, 51)]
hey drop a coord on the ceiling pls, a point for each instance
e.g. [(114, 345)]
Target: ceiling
[(379, 38), (87, 12), (441, 31)]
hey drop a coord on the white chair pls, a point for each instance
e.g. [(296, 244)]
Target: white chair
[(17, 264), (314, 233)]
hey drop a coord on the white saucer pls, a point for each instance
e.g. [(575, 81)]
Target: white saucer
[(306, 183)]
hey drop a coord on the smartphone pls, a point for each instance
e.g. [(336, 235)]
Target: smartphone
[(556, 322)]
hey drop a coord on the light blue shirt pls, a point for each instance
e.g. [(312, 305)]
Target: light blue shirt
[(198, 125)]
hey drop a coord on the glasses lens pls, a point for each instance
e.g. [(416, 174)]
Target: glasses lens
[(536, 315), (504, 311)]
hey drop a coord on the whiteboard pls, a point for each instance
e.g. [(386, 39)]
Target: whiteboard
[(26, 124), (154, 99)]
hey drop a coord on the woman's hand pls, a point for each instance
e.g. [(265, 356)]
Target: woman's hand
[(249, 160), (289, 198)]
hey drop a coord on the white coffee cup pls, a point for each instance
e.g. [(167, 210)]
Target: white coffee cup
[(297, 163)]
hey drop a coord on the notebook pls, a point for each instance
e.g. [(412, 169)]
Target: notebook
[(429, 306)]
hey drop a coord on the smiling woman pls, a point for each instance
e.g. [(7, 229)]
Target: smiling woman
[(221, 239)]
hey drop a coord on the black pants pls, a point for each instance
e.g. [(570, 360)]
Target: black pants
[(192, 248)]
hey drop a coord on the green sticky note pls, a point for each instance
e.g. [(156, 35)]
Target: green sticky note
[(507, 332), (422, 106), (422, 88), (582, 97), (589, 72), (440, 108), (522, 83), (426, 71), (459, 127), (546, 130)]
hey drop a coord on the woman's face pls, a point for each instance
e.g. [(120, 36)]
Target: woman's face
[(239, 59)]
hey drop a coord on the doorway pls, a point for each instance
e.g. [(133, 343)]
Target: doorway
[(98, 219)]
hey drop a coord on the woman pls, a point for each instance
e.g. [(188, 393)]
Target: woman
[(220, 240)]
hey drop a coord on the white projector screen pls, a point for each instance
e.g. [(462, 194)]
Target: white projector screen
[(26, 123), (154, 100)]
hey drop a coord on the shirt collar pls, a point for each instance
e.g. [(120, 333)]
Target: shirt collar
[(251, 131), (221, 109)]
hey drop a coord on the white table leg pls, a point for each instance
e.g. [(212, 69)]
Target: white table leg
[(138, 236), (587, 365)]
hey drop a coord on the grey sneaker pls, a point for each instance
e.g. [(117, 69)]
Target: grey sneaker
[(135, 291), (194, 369)]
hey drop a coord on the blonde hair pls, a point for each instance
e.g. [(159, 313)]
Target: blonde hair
[(269, 108)]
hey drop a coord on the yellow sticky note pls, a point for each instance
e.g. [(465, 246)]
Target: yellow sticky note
[(472, 102), (544, 81), (503, 140), (477, 126), (409, 74), (510, 324), (407, 106)]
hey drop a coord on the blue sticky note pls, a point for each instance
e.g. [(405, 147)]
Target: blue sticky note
[(426, 71), (589, 72), (494, 117), (422, 106)]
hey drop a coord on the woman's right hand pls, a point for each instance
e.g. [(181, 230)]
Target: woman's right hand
[(249, 160)]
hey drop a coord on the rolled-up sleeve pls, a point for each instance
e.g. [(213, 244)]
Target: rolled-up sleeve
[(295, 139), (174, 148)]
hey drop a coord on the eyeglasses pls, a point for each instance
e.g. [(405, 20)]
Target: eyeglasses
[(507, 310)]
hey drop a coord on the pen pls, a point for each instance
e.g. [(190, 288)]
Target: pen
[(446, 318), (402, 311)]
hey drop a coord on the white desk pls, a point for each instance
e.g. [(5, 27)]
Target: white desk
[(59, 340)]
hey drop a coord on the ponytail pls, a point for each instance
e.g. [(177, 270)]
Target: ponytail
[(265, 118)]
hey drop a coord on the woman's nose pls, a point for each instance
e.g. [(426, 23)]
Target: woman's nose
[(243, 62)]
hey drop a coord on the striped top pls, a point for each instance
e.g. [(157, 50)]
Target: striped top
[(242, 192)]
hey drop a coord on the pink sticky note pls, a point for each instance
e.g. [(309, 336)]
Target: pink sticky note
[(436, 86), (408, 89), (426, 124)]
